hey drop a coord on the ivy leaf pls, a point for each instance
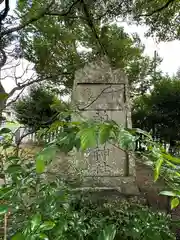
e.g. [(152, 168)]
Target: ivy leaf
[(3, 209), (47, 225), (88, 137), (35, 222), (174, 203), (158, 165)]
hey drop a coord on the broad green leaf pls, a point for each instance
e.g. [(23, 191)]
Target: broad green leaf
[(174, 203), (14, 168), (168, 193), (156, 153), (36, 221), (126, 140), (3, 209), (158, 165), (43, 236), (139, 131), (88, 138), (108, 233), (5, 131), (48, 225), (45, 156), (104, 133), (171, 158), (5, 192), (40, 164), (18, 236)]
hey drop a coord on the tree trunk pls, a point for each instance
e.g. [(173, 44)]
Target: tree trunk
[(2, 100)]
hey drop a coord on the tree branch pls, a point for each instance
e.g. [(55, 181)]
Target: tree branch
[(34, 19), (18, 142), (65, 13), (16, 98), (91, 25), (3, 58), (4, 13), (166, 5), (29, 83)]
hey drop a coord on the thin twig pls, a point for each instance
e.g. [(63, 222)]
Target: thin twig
[(166, 5), (34, 19), (96, 98)]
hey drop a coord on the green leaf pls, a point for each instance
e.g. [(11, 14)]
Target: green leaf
[(14, 168), (104, 133), (126, 140), (45, 156), (174, 202), (168, 193), (140, 131), (5, 192), (156, 153), (3, 209), (108, 233), (36, 221), (47, 225), (171, 158), (43, 236), (18, 236), (88, 138), (3, 96), (5, 131), (40, 164), (14, 159), (158, 165)]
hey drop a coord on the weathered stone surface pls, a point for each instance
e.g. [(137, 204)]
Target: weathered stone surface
[(101, 93)]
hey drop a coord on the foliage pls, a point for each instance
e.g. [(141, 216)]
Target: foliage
[(161, 16), (56, 50), (129, 218), (41, 209), (158, 111), (36, 110), (59, 27)]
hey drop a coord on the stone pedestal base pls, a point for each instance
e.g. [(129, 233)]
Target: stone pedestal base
[(124, 185)]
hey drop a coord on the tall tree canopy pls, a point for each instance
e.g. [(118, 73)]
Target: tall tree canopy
[(59, 26), (55, 52), (159, 111)]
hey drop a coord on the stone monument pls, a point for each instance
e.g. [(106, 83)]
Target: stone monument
[(102, 93)]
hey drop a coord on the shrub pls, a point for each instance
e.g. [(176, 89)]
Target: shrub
[(41, 209)]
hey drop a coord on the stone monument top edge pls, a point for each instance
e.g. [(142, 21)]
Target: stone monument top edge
[(99, 72)]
